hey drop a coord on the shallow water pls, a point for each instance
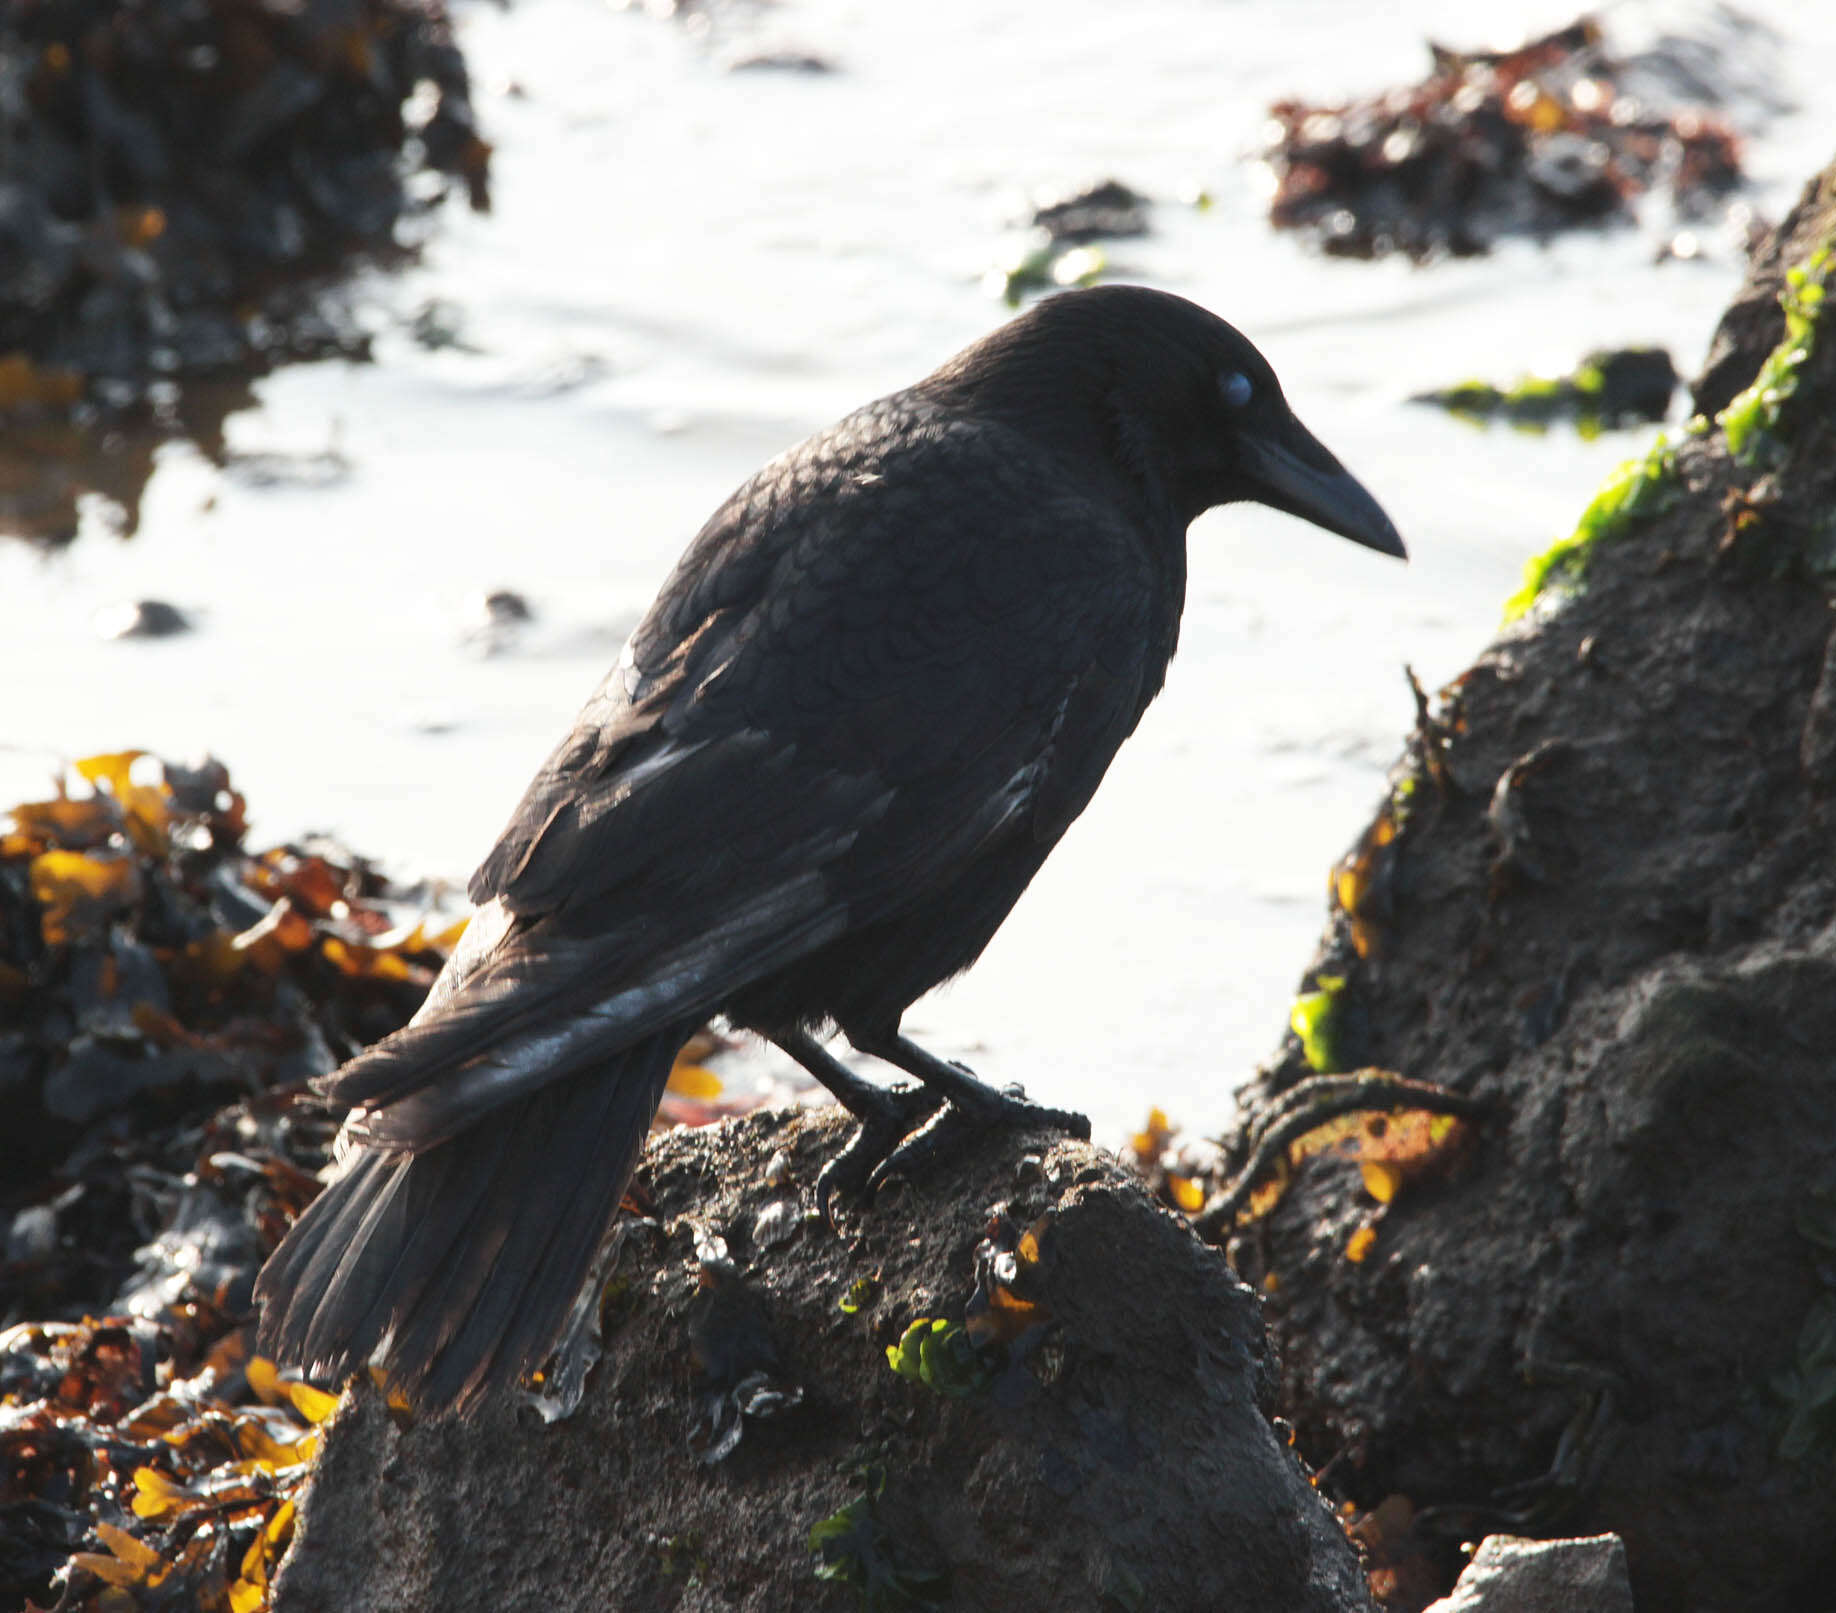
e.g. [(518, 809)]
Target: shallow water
[(687, 270)]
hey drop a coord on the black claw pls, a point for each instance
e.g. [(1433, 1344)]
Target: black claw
[(920, 1148), (953, 1124), (852, 1173), (903, 1128)]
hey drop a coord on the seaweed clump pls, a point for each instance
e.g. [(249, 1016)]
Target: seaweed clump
[(174, 172), (1531, 141), (150, 962), (165, 995)]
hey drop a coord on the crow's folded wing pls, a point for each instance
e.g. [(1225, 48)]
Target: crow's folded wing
[(870, 667)]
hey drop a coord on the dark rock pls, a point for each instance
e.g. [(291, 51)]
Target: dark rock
[(1610, 913), (142, 618), (1108, 210), (785, 60), (1125, 1458), (1636, 383), (497, 620), (209, 1250), (1754, 323), (1619, 387)]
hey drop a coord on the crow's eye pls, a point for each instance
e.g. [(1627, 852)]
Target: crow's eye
[(1236, 388)]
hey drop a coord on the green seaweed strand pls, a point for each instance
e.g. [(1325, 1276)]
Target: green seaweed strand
[(1639, 488), (1751, 421)]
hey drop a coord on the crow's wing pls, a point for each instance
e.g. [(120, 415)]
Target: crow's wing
[(893, 648)]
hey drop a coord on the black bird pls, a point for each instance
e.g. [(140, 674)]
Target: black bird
[(881, 683)]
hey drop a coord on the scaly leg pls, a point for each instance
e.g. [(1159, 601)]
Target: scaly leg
[(887, 1115)]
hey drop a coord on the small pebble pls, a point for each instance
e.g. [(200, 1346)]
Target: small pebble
[(786, 60), (778, 1169), (32, 1238), (777, 1223), (501, 606), (495, 620), (141, 618)]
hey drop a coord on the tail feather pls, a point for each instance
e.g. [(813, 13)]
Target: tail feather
[(507, 1327), (378, 1274), (454, 1268), (439, 1203)]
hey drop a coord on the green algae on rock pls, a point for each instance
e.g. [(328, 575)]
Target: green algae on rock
[(1313, 1019), (1752, 421), (1640, 488), (1607, 391)]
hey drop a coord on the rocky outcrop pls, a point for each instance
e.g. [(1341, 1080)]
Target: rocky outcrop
[(1602, 902), (1098, 1436)]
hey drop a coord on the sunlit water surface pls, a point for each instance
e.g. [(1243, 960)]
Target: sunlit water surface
[(687, 270)]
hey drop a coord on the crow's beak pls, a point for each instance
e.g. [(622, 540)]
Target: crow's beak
[(1291, 470)]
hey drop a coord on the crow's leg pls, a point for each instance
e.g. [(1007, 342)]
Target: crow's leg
[(970, 1105), (887, 1115)]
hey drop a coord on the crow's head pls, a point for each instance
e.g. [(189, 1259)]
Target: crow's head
[(1180, 401)]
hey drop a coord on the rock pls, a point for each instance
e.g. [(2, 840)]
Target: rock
[(1105, 211), (141, 618), (782, 59), (1754, 324), (496, 621), (1117, 1451), (1606, 908), (1624, 386), (1509, 1575)]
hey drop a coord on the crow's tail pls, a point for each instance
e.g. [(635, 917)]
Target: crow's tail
[(453, 1268)]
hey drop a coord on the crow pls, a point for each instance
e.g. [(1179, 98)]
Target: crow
[(877, 688)]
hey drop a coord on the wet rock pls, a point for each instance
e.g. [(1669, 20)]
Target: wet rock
[(1106, 211), (1622, 387), (1609, 914), (141, 618), (210, 1251), (1509, 1575), (1059, 246), (1126, 1458), (783, 59), (496, 621)]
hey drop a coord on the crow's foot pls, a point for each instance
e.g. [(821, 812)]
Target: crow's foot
[(855, 1173), (904, 1129), (958, 1123)]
